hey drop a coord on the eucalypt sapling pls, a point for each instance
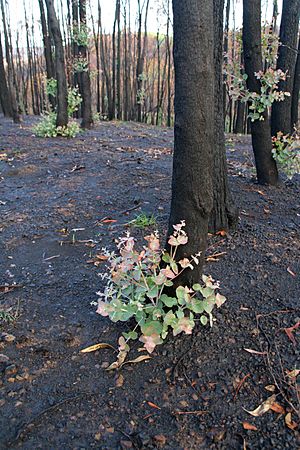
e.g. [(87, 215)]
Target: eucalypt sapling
[(136, 283)]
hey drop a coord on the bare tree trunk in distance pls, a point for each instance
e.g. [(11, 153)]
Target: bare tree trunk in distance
[(192, 187), (12, 94), (260, 129), (85, 81), (62, 89), (4, 92), (296, 90), (224, 214), (281, 119), (50, 70)]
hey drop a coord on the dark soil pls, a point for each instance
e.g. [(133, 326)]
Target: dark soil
[(53, 396)]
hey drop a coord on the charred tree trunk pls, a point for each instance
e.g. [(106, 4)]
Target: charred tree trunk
[(85, 81), (12, 94), (192, 188), (62, 88), (226, 41), (296, 90), (260, 129), (169, 67), (224, 214), (119, 100), (4, 92), (281, 119), (47, 50), (240, 118)]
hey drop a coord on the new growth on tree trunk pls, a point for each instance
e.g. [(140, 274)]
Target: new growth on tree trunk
[(192, 186), (287, 55), (260, 129)]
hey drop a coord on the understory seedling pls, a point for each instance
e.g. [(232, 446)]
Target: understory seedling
[(136, 284), (143, 220), (47, 127), (286, 152), (6, 317)]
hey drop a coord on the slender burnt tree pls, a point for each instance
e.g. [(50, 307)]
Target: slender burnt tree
[(4, 92), (287, 56), (296, 89), (62, 88), (192, 187), (85, 81), (224, 214), (50, 69), (9, 61), (260, 129)]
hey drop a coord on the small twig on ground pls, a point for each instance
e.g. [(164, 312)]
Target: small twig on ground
[(131, 209), (197, 413), (239, 386), (51, 257), (5, 288)]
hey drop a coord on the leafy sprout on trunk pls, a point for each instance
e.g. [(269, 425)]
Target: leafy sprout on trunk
[(136, 284)]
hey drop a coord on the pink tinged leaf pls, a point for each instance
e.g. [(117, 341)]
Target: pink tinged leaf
[(160, 279), (153, 242), (150, 342), (141, 255), (184, 263), (173, 241), (179, 226), (102, 308), (182, 240), (220, 300), (168, 272), (184, 324)]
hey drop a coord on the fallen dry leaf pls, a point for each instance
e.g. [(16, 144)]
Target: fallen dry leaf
[(254, 352), (293, 373), (270, 388), (289, 332), (94, 348), (120, 381), (153, 405), (137, 360), (97, 260), (249, 426), (263, 408), (119, 362), (108, 221), (289, 422), (277, 408), (221, 233)]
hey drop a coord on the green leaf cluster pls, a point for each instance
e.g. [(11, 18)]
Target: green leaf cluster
[(136, 289)]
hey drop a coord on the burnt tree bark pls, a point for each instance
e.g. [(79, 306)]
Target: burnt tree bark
[(4, 92), (192, 187), (296, 90), (281, 119), (260, 129), (10, 84), (62, 88), (224, 214), (50, 70), (85, 81)]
